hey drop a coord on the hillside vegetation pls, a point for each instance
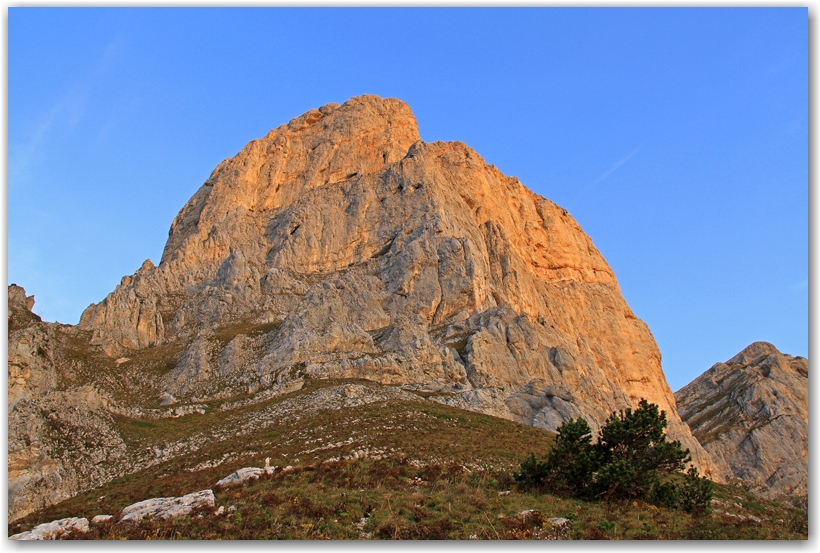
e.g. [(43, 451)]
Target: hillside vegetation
[(402, 467)]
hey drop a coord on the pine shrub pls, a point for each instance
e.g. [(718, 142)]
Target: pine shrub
[(628, 460)]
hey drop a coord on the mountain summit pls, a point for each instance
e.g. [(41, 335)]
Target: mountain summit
[(340, 245), (751, 413), (379, 256)]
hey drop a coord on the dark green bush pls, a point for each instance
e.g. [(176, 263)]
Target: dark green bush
[(633, 452), (533, 473), (572, 461), (666, 494), (695, 492), (628, 460)]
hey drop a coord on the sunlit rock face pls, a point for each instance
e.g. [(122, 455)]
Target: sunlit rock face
[(751, 414), (341, 245)]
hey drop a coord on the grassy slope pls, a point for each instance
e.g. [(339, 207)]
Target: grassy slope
[(433, 472)]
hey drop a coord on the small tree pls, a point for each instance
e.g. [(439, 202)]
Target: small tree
[(695, 492), (533, 473), (569, 465), (633, 451), (630, 456), (572, 461)]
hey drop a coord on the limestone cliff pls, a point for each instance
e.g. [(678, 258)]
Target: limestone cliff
[(751, 413), (370, 253), (339, 245), (61, 434)]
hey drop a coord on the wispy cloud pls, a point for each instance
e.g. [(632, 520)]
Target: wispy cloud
[(618, 164), (802, 285), (66, 110)]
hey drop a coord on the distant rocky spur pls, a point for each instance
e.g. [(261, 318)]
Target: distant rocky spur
[(751, 415)]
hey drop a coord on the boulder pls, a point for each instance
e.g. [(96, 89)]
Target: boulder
[(53, 530), (167, 507), (242, 475)]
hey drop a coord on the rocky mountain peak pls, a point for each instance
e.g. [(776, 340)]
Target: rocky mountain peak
[(751, 415), (18, 298), (342, 246), (379, 256), (753, 352), (328, 145)]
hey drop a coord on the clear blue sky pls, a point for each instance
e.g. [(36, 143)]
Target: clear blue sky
[(676, 137)]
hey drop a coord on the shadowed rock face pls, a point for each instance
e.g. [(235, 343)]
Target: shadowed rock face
[(751, 415), (61, 436), (379, 256)]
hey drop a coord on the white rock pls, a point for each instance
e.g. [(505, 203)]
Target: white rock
[(101, 518), (167, 507), (560, 522), (54, 529), (242, 475)]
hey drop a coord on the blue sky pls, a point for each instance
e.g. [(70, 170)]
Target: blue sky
[(678, 138)]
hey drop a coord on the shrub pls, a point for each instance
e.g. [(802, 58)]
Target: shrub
[(572, 461), (533, 473), (633, 451), (665, 494), (695, 492), (628, 460), (569, 465)]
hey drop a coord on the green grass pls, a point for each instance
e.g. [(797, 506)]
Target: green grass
[(439, 476), (253, 330), (393, 499)]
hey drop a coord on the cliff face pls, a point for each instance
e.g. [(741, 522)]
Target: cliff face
[(377, 255), (61, 435), (751, 415), (341, 245)]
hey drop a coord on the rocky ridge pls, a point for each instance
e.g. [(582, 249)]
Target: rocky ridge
[(751, 415), (61, 433), (340, 245)]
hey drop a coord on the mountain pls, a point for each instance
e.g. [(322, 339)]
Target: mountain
[(751, 413), (340, 245)]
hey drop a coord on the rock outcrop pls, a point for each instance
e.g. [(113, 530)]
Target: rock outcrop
[(30, 363), (342, 245), (53, 530), (751, 413), (61, 434), (168, 507), (245, 474)]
